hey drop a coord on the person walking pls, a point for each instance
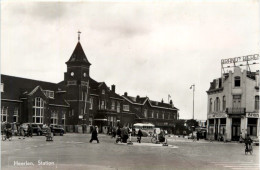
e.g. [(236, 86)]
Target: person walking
[(21, 132), (29, 130), (94, 135), (139, 135)]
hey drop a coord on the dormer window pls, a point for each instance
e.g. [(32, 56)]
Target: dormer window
[(103, 91), (237, 81), (49, 93)]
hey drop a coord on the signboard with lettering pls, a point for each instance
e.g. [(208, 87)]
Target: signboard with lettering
[(240, 59), (217, 115), (252, 115)]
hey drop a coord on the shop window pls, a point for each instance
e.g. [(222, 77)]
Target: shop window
[(252, 126), (211, 121), (223, 121), (237, 81), (256, 102)]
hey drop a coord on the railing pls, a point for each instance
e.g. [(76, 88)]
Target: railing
[(236, 110)]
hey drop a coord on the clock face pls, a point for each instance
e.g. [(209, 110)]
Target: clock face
[(84, 74), (72, 74)]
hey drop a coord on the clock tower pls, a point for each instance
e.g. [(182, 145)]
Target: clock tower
[(77, 80)]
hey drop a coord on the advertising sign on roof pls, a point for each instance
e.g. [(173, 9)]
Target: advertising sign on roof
[(240, 59)]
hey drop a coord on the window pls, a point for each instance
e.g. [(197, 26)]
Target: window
[(49, 93), (102, 104), (224, 103), (237, 81), (2, 87), (38, 110), (126, 107), (162, 115), (217, 105), (63, 118), (210, 105), (113, 105), (256, 102), (118, 107), (91, 103), (4, 114), (54, 117), (103, 91), (152, 114), (157, 115), (72, 112), (145, 113), (169, 116), (72, 83), (15, 116)]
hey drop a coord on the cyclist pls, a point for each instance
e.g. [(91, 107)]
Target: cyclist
[(248, 141)]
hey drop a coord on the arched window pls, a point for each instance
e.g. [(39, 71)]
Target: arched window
[(237, 81), (210, 105), (38, 110), (224, 103), (256, 102)]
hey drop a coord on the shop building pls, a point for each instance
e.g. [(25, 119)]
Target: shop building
[(233, 105)]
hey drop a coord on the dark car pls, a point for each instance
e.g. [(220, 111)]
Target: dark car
[(35, 128), (57, 129)]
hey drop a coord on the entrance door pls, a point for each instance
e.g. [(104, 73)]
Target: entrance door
[(236, 129)]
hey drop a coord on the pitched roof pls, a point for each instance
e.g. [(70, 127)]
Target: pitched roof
[(15, 87), (143, 100), (78, 56)]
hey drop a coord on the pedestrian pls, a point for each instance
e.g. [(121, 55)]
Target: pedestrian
[(198, 136), (118, 132), (139, 135), (21, 132), (94, 135), (29, 130), (113, 132), (248, 141)]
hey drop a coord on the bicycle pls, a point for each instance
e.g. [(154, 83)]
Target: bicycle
[(154, 138), (249, 149)]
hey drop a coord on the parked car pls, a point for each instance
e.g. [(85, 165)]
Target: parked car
[(35, 128), (57, 129)]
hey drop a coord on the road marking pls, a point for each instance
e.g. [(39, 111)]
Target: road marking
[(237, 165)]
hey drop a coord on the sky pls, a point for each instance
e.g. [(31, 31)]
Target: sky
[(152, 49)]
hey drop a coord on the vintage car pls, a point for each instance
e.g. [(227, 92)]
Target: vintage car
[(36, 129), (57, 129)]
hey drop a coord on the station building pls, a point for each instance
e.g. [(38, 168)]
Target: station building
[(77, 100), (233, 105)]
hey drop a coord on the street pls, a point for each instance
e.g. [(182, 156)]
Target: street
[(73, 151)]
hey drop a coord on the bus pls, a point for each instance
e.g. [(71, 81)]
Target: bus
[(145, 127)]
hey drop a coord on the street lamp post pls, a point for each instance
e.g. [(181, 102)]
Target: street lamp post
[(193, 87)]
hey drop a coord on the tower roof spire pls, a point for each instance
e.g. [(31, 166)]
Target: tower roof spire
[(79, 35)]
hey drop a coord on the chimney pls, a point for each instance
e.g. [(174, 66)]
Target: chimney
[(125, 94), (162, 100), (113, 87), (171, 102), (137, 98)]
